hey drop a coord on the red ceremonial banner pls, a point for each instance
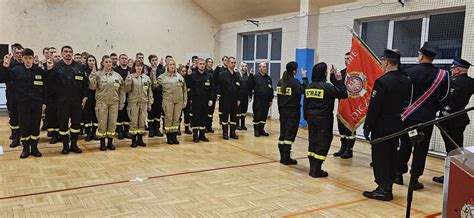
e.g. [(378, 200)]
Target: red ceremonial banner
[(362, 71)]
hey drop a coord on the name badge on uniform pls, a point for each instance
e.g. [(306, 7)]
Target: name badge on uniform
[(116, 85), (145, 88), (237, 83), (180, 84), (314, 93), (38, 77), (79, 78), (38, 83), (207, 83)]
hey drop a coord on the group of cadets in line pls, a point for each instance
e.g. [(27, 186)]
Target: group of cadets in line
[(124, 97)]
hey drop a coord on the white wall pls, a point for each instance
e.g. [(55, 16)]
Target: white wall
[(176, 27)]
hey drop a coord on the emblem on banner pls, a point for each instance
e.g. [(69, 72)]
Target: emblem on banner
[(356, 83)]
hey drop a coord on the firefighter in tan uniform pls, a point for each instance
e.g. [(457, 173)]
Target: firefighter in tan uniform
[(110, 98), (140, 99), (174, 99)]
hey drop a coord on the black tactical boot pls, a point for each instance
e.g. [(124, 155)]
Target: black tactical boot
[(102, 144), (262, 130), (54, 138), (175, 138), (134, 141), (126, 132), (110, 144), (438, 179), (242, 124), (187, 130), (318, 172), (94, 133), (398, 179), (34, 148), (232, 132), (88, 134), (342, 149), (416, 184), (74, 148), (168, 139), (151, 129), (26, 149), (157, 131), (195, 135), (202, 135), (256, 130), (347, 153), (15, 138), (140, 140), (65, 140), (225, 132), (120, 133), (286, 149)]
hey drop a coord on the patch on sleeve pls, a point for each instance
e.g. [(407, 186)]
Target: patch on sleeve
[(374, 92)]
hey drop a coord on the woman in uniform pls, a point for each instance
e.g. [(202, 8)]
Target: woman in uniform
[(140, 99), (88, 113), (174, 99), (289, 91), (110, 98)]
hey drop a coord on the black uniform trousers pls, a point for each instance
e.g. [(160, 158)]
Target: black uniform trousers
[(419, 152), (51, 116), (12, 107), (384, 159), (320, 136), (228, 108), (154, 115), (30, 120), (68, 111), (289, 123), (347, 136), (199, 110), (89, 117), (243, 107), (122, 118), (210, 113), (456, 134), (261, 105), (187, 113)]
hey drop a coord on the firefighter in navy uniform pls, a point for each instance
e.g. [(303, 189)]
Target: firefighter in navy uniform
[(28, 82), (50, 99), (347, 136), (212, 108), (260, 86), (318, 111), (228, 89), (154, 115), (423, 78), (461, 90), (244, 97), (200, 92), (123, 121), (71, 85), (289, 91), (12, 105), (390, 95)]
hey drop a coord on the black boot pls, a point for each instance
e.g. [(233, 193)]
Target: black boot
[(242, 123), (94, 133), (74, 148), (65, 140), (120, 134), (168, 139), (110, 144), (232, 132), (88, 134), (416, 184), (15, 138), (398, 179), (151, 129), (175, 138), (262, 130), (285, 154), (187, 130), (34, 148), (382, 193), (140, 140), (202, 135), (438, 179), (102, 144), (157, 131), (347, 153), (225, 132), (81, 130), (179, 130), (26, 149), (195, 135), (256, 130), (209, 126), (12, 133), (54, 138), (317, 171), (134, 141), (342, 149), (126, 132)]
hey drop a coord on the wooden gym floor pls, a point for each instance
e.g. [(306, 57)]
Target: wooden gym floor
[(220, 178)]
